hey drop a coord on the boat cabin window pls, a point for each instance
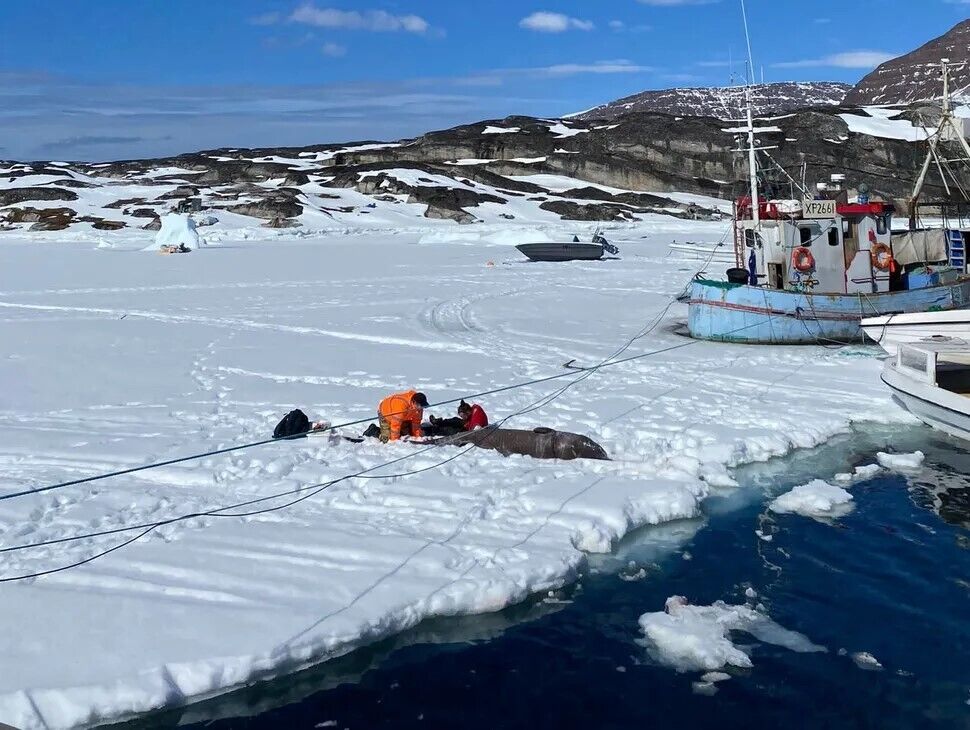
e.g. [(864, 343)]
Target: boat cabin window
[(752, 239), (913, 359), (805, 234), (882, 225), (833, 236)]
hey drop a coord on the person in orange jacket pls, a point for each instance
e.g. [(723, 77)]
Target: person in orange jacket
[(401, 415)]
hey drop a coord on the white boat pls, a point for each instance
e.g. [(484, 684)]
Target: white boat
[(931, 380), (892, 330), (715, 253)]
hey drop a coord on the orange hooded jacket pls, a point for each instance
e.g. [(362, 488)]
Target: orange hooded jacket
[(397, 410)]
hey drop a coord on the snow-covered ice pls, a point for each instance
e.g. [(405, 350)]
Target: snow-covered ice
[(177, 230), (111, 358), (860, 473), (815, 499), (698, 638)]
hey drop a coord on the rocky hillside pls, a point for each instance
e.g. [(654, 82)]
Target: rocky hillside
[(518, 168), (912, 78), (725, 102)]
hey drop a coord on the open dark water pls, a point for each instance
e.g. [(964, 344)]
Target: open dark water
[(892, 579)]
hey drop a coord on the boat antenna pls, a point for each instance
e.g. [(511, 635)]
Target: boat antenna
[(948, 130), (752, 157)]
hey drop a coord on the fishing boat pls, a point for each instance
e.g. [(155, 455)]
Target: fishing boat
[(810, 270), (573, 250), (893, 330), (931, 380)]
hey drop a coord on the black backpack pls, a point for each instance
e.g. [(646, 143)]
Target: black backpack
[(294, 425)]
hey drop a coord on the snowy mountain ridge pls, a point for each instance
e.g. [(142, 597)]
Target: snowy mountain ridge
[(727, 102), (915, 77), (515, 169)]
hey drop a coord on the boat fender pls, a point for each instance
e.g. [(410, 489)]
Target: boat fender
[(802, 260), (882, 256)]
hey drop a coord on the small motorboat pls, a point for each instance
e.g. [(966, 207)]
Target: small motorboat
[(931, 380), (892, 330), (574, 250)]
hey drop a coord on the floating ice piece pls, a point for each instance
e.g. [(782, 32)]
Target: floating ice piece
[(901, 462), (860, 474), (708, 689), (865, 660), (815, 499), (696, 638)]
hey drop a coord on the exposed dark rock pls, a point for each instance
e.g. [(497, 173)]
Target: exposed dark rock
[(36, 215), (125, 202), (269, 208), (53, 219), (142, 213), (571, 211), (11, 196), (70, 182), (180, 192), (296, 178), (106, 225), (153, 225)]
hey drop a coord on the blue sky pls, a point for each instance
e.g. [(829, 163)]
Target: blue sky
[(108, 79)]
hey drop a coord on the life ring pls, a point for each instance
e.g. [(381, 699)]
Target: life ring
[(882, 256), (802, 260)]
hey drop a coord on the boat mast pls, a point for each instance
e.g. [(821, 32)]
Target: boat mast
[(752, 157), (947, 127)]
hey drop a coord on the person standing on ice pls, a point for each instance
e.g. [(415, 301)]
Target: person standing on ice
[(401, 415)]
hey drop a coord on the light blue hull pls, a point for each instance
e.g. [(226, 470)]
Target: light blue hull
[(748, 314)]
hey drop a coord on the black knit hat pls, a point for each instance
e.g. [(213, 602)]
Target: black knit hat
[(463, 406), (420, 399)]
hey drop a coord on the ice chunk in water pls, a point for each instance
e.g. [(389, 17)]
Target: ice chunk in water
[(815, 499), (697, 638), (901, 462)]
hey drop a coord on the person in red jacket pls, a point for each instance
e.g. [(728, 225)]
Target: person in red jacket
[(472, 415), (469, 418)]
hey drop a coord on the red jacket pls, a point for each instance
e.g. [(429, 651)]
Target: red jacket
[(478, 418)]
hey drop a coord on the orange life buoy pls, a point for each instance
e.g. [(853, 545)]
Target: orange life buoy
[(802, 260), (882, 256)]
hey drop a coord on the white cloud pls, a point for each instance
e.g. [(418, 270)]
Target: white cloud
[(618, 26), (620, 66), (372, 20), (849, 59), (334, 50), (545, 22)]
